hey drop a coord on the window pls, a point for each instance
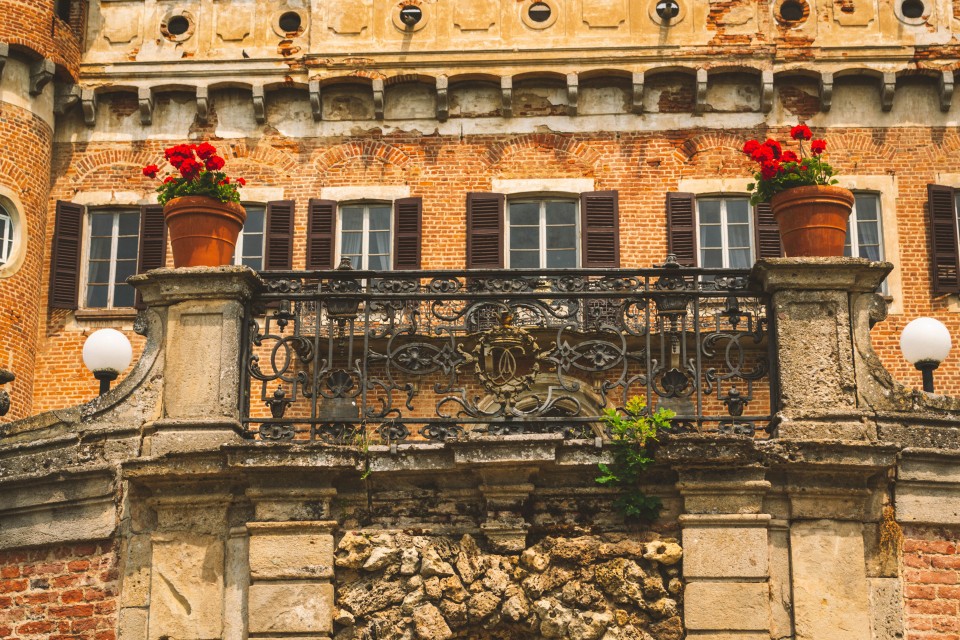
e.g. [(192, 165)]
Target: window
[(250, 244), (725, 232), (113, 238), (365, 235), (6, 235), (942, 204), (542, 234), (864, 234)]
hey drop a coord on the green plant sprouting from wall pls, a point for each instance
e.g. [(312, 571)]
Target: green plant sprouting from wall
[(633, 437)]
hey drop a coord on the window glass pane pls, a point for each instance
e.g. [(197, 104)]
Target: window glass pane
[(868, 233), (100, 248), (564, 212), (866, 206), (101, 224), (561, 237), (711, 258), (524, 213), (129, 224), (709, 211), (738, 236), (379, 263), (350, 245), (739, 258), (255, 219), (98, 272), (254, 263), (97, 296), (125, 269), (871, 252), (566, 258), (524, 237), (123, 296), (524, 259), (127, 247), (251, 245), (6, 236), (738, 211), (379, 218), (710, 236), (351, 218), (379, 242)]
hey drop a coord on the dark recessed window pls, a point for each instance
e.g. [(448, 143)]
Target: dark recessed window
[(791, 10), (63, 10), (539, 12), (290, 22), (410, 15), (912, 8), (177, 25), (668, 9)]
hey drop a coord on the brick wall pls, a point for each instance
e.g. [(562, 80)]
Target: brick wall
[(33, 24), (931, 558), (642, 166), (59, 593)]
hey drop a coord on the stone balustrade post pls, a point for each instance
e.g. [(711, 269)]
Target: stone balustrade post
[(201, 312)]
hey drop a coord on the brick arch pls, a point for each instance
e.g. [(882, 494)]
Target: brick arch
[(13, 176), (370, 149), (946, 149), (498, 152), (110, 157), (691, 147), (851, 142), (264, 154)]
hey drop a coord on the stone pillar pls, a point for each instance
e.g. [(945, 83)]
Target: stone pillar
[(201, 311), (291, 592), (725, 549), (813, 324)]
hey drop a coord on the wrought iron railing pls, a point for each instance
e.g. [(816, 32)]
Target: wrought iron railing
[(345, 355)]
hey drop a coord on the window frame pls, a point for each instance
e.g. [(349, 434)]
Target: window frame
[(365, 232), (542, 236), (854, 236), (114, 241), (238, 251), (7, 236), (724, 232)]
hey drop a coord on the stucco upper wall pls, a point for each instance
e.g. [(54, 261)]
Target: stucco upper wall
[(502, 31)]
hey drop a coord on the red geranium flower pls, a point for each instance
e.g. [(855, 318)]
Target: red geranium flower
[(214, 163), (789, 156), (189, 168), (168, 179), (206, 150), (801, 132), (151, 170), (750, 146), (769, 169), (774, 146), (818, 146), (241, 182)]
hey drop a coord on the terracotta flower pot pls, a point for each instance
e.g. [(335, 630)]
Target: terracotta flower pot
[(812, 220), (203, 231)]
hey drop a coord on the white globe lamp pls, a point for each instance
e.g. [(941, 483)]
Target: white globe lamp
[(106, 353), (925, 343)]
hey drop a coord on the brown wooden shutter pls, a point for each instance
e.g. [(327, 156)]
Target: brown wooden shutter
[(941, 205), (65, 257), (485, 230), (407, 224), (682, 228), (766, 233), (321, 216), (278, 236), (153, 243), (600, 229)]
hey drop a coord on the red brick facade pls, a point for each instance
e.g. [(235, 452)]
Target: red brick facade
[(59, 593), (931, 559), (33, 25)]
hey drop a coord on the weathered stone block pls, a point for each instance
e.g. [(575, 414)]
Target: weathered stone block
[(285, 607), (132, 624), (283, 552), (186, 588), (830, 594), (727, 606), (724, 552)]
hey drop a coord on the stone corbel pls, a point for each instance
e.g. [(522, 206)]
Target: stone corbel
[(145, 99), (766, 91), (203, 104), (65, 97), (637, 97), (826, 90), (887, 90), (4, 54), (41, 73), (443, 102), (316, 104), (573, 89), (506, 96), (946, 90), (701, 92), (88, 102), (378, 98), (259, 108)]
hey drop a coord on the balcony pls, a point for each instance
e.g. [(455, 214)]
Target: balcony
[(346, 356)]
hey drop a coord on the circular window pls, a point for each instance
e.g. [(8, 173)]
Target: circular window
[(411, 15), (791, 11), (290, 22), (539, 12), (177, 25), (667, 9), (912, 9)]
